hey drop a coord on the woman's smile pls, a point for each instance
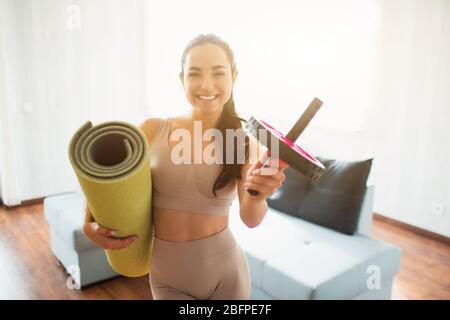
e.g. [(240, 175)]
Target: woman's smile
[(207, 97)]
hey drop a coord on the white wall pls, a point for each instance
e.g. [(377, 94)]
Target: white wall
[(411, 113), (381, 68), (407, 129)]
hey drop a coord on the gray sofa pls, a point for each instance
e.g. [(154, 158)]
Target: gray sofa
[(290, 258), (83, 259)]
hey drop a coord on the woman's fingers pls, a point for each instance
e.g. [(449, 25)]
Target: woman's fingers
[(263, 189), (279, 177), (265, 181), (119, 243), (272, 167), (106, 238), (128, 240), (102, 231), (283, 164), (266, 184)]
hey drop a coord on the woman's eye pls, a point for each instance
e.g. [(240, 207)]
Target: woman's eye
[(191, 75), (219, 74)]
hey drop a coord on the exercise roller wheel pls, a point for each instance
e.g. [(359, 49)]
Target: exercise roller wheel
[(297, 158)]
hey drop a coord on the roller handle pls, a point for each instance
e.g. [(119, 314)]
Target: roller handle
[(304, 120), (298, 128)]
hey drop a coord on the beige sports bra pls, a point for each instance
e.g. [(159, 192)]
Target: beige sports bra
[(186, 187)]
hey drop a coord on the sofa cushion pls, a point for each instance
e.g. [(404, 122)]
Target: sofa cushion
[(334, 201), (53, 206), (65, 214), (290, 258)]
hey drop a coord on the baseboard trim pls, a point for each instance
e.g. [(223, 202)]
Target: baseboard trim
[(25, 203), (34, 201), (417, 230), (378, 216)]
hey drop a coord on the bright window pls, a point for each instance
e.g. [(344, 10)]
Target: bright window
[(287, 53)]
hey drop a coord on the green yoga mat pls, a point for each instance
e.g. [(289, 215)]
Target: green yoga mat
[(112, 163)]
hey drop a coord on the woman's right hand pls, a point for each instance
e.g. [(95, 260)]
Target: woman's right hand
[(104, 237)]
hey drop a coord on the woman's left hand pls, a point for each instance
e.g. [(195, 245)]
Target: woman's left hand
[(266, 180)]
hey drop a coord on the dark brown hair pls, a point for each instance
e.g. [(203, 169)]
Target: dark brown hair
[(229, 118)]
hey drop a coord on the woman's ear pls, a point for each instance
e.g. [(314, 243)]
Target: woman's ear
[(181, 76), (235, 74)]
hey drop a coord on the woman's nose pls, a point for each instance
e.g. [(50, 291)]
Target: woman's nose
[(207, 83)]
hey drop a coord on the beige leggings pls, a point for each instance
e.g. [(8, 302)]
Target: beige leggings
[(213, 268)]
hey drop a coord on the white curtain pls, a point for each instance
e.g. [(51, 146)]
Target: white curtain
[(9, 182), (63, 63)]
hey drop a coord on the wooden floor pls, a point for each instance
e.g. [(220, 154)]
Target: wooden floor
[(28, 270), (424, 265)]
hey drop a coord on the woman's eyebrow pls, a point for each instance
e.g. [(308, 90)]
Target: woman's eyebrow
[(214, 68)]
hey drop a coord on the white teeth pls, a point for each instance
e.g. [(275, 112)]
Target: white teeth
[(207, 97)]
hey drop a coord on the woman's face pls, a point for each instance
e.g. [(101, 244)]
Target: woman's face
[(207, 78)]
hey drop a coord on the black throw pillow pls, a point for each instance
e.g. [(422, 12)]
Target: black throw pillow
[(334, 201)]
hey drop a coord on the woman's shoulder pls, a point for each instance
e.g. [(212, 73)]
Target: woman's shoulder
[(150, 127)]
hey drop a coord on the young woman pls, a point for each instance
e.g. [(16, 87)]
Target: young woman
[(195, 255)]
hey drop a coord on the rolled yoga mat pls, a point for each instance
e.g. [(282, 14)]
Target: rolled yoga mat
[(112, 163)]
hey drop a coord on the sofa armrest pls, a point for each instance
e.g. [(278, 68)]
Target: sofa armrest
[(366, 215)]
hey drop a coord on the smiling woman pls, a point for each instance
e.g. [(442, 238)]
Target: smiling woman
[(213, 264), (208, 73), (195, 255)]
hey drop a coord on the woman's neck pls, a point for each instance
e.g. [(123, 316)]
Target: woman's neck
[(208, 121)]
